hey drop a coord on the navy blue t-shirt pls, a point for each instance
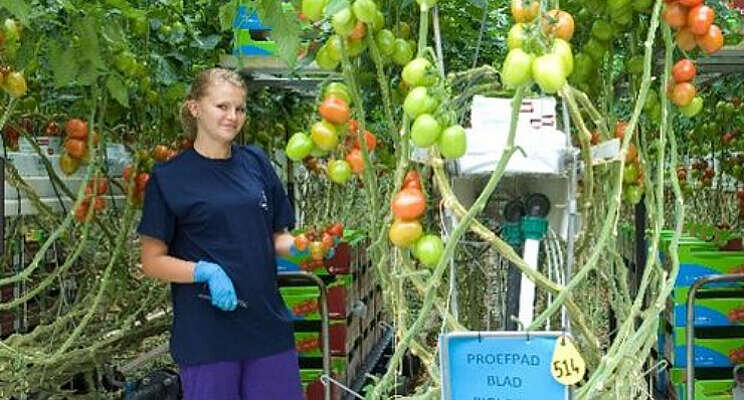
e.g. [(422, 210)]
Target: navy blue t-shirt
[(225, 212)]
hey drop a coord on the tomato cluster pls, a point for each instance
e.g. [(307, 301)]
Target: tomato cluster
[(319, 242), (693, 21), (539, 51), (427, 107), (325, 137), (682, 91), (140, 174), (75, 145), (94, 191), (307, 345), (736, 315), (737, 355), (351, 25), (408, 206), (306, 307)]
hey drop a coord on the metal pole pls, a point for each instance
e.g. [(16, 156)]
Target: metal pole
[(690, 328), (325, 321)]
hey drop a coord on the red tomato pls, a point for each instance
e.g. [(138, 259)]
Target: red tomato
[(412, 180), (691, 3), (675, 15), (371, 140), (700, 18), (76, 148), (683, 93), (127, 173), (335, 110), (76, 129), (141, 180), (82, 211), (99, 204), (684, 70), (160, 153), (356, 160), (409, 204), (620, 129), (711, 41)]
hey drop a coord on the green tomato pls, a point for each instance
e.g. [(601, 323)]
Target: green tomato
[(517, 68), (365, 10), (418, 72), (403, 30), (15, 85), (299, 146), (595, 50), (378, 22), (324, 135), (318, 152), (385, 40), (516, 37), (633, 194), (563, 49), (324, 60), (425, 130), (339, 90), (429, 249), (602, 30), (418, 102), (635, 65), (693, 108), (583, 67), (356, 47), (333, 44), (547, 70), (630, 174), (654, 113), (453, 142), (339, 171), (652, 98), (402, 52), (343, 22), (313, 9)]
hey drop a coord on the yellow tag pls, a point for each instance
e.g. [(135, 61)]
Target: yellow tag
[(567, 367)]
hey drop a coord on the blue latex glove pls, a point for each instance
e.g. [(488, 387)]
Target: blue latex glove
[(221, 288)]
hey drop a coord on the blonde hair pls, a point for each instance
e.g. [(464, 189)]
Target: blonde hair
[(199, 88)]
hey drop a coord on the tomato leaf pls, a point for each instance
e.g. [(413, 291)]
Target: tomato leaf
[(20, 9), (62, 62), (227, 14), (285, 30), (164, 71), (335, 6), (89, 42), (118, 90)]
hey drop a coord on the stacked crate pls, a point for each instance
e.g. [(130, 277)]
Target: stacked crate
[(719, 321), (355, 310)]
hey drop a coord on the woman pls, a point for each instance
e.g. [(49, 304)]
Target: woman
[(214, 219)]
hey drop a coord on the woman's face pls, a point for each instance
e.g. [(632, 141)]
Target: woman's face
[(221, 113)]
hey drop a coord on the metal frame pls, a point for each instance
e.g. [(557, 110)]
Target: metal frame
[(325, 320), (690, 328)]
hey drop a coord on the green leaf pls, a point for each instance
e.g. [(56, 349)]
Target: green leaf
[(87, 73), (285, 30), (20, 9), (206, 42), (164, 72), (89, 41), (227, 14), (335, 6), (118, 90), (62, 62)]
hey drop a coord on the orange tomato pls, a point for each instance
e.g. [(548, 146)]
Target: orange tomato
[(408, 204), (683, 93), (675, 15), (524, 10), (684, 70), (558, 23), (356, 160), (76, 148), (686, 39), (76, 129), (371, 140), (700, 18), (711, 41), (335, 110)]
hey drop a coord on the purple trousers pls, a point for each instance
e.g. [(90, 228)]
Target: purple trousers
[(273, 377)]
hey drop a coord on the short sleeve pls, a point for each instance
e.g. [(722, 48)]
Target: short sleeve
[(283, 213), (158, 221)]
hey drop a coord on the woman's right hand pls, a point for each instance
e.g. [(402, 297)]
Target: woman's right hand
[(221, 288)]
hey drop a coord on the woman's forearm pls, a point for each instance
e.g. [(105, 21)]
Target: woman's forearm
[(282, 242), (168, 268)]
